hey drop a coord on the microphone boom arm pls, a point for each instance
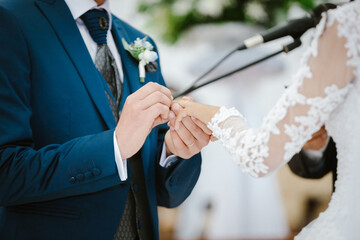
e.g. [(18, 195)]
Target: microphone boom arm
[(286, 49)]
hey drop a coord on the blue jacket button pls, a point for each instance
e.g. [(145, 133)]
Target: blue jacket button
[(88, 175), (72, 180), (80, 177), (96, 171)]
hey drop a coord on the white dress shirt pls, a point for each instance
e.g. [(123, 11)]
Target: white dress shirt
[(316, 155), (77, 9)]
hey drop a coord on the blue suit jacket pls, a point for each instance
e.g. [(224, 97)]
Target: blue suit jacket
[(58, 178)]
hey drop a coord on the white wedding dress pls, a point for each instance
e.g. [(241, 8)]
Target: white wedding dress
[(325, 91)]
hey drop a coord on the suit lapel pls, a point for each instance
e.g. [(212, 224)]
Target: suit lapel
[(131, 76), (61, 20), (129, 64)]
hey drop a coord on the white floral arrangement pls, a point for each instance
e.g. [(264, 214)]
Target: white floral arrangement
[(141, 50)]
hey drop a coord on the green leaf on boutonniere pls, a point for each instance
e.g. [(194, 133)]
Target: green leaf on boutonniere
[(141, 50)]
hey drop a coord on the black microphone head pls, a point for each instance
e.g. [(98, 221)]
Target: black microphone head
[(294, 28), (317, 11), (299, 26)]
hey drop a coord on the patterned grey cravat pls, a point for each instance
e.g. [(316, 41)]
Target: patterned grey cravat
[(97, 22), (105, 63)]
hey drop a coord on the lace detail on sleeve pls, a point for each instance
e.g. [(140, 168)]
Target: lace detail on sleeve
[(250, 148), (319, 87), (304, 126), (219, 131)]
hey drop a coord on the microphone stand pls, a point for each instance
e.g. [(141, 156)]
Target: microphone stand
[(286, 49)]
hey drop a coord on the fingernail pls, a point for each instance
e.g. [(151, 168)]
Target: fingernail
[(172, 128), (176, 107), (171, 115), (187, 98)]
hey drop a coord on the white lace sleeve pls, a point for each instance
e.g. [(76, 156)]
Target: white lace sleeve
[(319, 87)]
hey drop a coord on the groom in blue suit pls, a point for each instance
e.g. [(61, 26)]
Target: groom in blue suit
[(69, 169)]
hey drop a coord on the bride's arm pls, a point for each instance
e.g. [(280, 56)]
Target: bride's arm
[(319, 87)]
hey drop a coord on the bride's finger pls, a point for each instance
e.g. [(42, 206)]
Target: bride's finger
[(213, 139), (187, 98), (202, 125), (182, 102), (179, 117)]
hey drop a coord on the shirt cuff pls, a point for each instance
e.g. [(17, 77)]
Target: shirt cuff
[(167, 161), (316, 155), (120, 163)]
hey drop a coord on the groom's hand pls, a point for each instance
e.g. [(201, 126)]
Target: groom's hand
[(146, 108), (189, 138)]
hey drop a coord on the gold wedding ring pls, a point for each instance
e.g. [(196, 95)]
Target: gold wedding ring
[(192, 144)]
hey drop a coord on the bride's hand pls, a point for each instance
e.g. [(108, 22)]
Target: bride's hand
[(201, 112)]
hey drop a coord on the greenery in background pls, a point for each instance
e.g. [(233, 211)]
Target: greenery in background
[(173, 17)]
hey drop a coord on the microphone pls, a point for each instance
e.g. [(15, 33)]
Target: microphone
[(294, 28)]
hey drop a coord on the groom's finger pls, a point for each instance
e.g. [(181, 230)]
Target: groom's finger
[(157, 110), (158, 121), (156, 97), (149, 88)]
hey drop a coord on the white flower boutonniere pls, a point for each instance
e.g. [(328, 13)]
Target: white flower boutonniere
[(142, 51)]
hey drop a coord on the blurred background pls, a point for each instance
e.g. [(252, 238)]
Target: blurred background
[(191, 36)]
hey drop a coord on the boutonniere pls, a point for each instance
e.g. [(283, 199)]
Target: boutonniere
[(142, 51)]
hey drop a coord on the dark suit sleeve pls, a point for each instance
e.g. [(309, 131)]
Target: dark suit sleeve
[(305, 167), (178, 181), (80, 166), (174, 183)]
